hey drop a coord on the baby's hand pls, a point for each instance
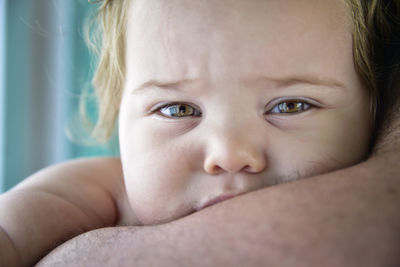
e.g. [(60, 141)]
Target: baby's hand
[(56, 204)]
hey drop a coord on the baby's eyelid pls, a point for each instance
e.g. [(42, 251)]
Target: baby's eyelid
[(279, 100), (159, 107), (274, 104)]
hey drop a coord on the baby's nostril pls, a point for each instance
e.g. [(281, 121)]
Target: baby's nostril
[(216, 169)]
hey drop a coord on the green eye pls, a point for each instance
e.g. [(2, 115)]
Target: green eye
[(290, 107), (179, 111)]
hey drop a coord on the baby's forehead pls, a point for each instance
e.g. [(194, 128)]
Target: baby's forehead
[(235, 12), (177, 38)]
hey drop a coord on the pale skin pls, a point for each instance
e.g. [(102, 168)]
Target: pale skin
[(231, 74), (89, 194)]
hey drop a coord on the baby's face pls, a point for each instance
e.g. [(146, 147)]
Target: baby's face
[(226, 97)]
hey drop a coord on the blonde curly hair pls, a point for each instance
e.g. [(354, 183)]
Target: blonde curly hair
[(373, 23)]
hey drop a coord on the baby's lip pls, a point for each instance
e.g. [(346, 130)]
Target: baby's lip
[(216, 199)]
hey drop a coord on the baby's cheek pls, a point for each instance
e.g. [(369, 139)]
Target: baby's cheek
[(336, 154), (155, 184), (146, 199), (308, 155)]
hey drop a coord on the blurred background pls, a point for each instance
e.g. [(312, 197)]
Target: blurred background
[(44, 64)]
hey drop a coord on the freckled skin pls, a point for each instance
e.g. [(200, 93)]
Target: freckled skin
[(173, 166)]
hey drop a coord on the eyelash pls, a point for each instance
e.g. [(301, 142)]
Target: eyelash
[(178, 107), (294, 106), (300, 104)]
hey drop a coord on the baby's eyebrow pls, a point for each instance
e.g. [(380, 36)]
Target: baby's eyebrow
[(280, 82), (301, 79), (173, 85)]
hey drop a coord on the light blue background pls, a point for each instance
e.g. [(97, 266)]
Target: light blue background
[(44, 64)]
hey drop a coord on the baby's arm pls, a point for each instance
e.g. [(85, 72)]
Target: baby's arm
[(57, 204)]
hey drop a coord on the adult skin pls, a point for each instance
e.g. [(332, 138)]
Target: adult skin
[(348, 217)]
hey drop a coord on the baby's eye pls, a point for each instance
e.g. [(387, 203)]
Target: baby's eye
[(179, 110), (290, 107)]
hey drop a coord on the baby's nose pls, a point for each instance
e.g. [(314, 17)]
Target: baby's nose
[(233, 152)]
